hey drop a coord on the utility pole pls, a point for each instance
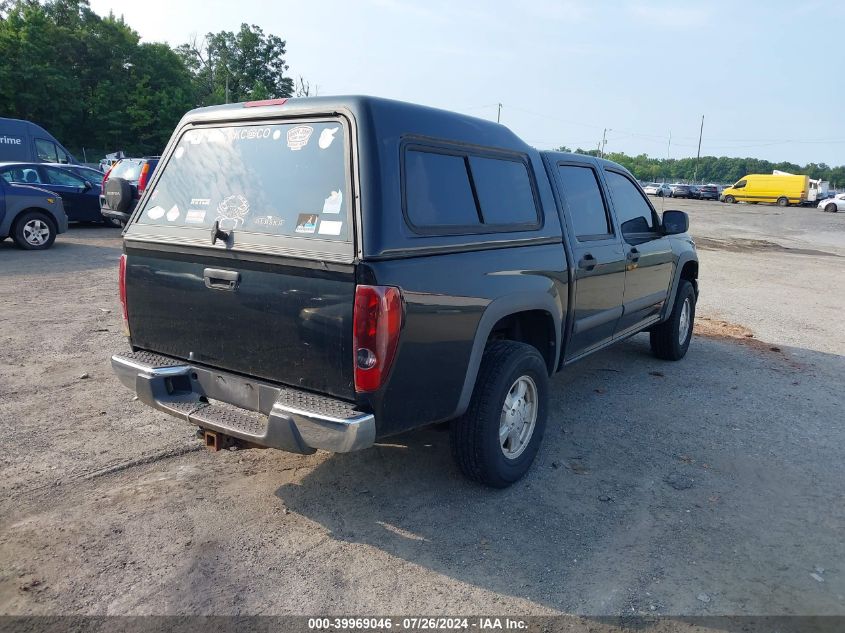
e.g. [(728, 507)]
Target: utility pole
[(499, 115), (698, 156), (668, 148), (603, 141)]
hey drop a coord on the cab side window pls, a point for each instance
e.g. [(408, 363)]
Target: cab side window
[(585, 202), (740, 184), (633, 211)]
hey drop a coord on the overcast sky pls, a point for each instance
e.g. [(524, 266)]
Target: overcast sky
[(769, 77)]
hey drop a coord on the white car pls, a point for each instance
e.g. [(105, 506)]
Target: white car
[(655, 189), (834, 204)]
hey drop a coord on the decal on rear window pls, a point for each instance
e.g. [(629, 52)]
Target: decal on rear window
[(298, 136), (265, 179), (326, 137), (333, 203), (306, 223), (231, 211)]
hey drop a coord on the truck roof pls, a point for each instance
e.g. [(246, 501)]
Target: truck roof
[(581, 158), (388, 117)]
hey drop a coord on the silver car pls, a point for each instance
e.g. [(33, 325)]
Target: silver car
[(834, 204), (657, 189)]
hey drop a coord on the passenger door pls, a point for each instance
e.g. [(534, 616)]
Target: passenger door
[(81, 201), (648, 253), (598, 258)]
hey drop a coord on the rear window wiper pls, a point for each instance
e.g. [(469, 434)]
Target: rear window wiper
[(219, 234)]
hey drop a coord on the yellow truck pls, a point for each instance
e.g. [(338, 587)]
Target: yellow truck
[(783, 189)]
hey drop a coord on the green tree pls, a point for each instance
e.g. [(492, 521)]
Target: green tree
[(87, 78), (229, 67)]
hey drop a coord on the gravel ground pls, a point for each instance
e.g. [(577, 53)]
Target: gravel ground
[(709, 486)]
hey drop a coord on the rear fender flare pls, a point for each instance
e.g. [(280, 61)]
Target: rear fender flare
[(495, 311)]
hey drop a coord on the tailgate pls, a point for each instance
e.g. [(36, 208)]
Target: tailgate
[(285, 323), (241, 253)]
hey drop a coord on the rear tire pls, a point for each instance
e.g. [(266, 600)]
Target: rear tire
[(34, 231), (670, 340), (831, 208), (510, 398), (783, 201)]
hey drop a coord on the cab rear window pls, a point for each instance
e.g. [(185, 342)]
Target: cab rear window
[(280, 179)]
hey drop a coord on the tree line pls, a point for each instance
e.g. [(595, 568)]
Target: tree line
[(92, 83), (715, 169)]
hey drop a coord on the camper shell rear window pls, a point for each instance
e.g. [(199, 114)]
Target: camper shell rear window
[(275, 179)]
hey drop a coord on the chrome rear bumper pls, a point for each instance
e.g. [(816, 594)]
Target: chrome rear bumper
[(251, 410)]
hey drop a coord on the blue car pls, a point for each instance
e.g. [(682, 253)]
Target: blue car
[(81, 195)]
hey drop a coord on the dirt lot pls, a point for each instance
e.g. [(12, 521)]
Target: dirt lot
[(710, 486)]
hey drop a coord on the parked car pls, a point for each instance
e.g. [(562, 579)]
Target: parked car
[(123, 186), (288, 278), (81, 197), (659, 190), (32, 217), (834, 204), (680, 191), (707, 192), (24, 141)]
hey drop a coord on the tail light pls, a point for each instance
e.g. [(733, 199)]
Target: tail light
[(105, 178), (375, 333), (121, 284), (143, 178)]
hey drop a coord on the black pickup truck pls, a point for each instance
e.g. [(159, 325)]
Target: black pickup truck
[(322, 273)]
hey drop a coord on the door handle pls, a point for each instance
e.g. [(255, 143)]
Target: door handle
[(587, 262), (218, 279), (633, 255)]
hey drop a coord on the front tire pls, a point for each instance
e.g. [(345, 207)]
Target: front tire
[(34, 231), (497, 439), (730, 200), (670, 340)]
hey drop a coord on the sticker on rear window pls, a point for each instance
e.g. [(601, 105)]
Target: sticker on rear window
[(179, 152), (173, 214), (330, 227), (333, 203), (298, 136), (326, 137), (155, 213), (195, 216), (200, 202), (306, 223), (232, 211), (269, 220)]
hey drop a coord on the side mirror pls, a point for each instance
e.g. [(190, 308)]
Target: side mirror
[(675, 222), (88, 185)]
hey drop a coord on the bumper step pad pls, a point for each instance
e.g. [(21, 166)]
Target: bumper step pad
[(298, 421)]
